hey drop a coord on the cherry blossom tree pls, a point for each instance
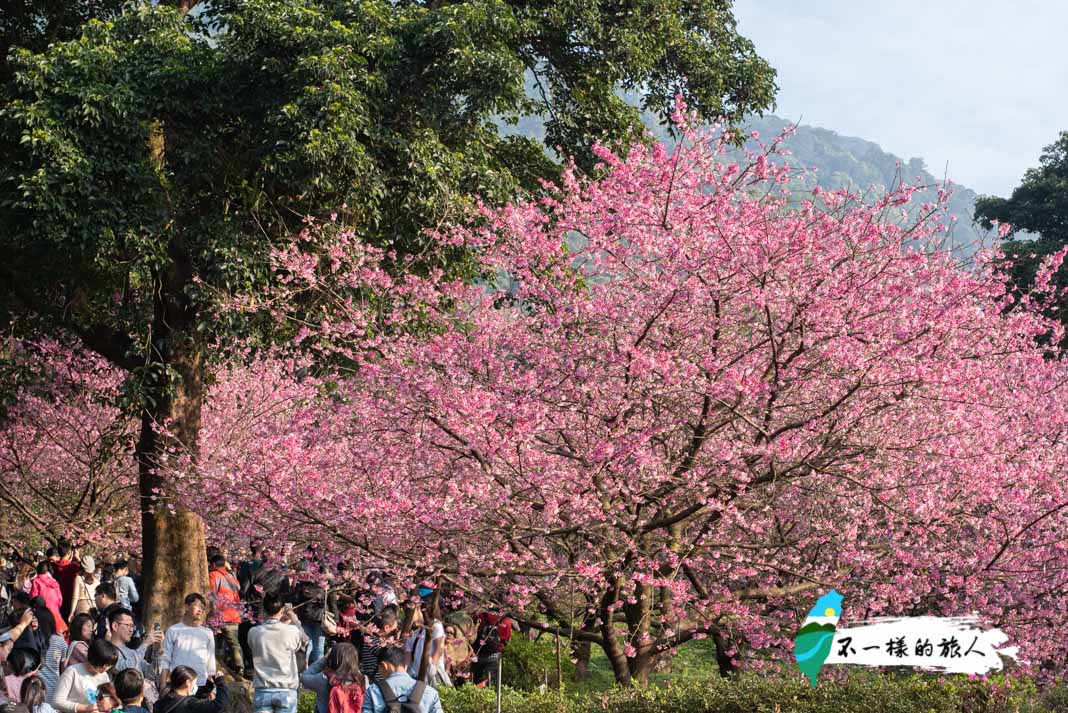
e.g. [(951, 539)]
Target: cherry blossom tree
[(681, 403), (66, 466)]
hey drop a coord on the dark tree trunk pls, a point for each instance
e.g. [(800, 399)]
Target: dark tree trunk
[(611, 643), (613, 649), (726, 667), (580, 650), (638, 615), (172, 536)]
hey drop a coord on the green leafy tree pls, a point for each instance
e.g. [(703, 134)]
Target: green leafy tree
[(35, 24), (1039, 205), (151, 164)]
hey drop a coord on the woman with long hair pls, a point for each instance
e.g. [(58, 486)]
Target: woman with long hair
[(81, 635), (34, 695), (24, 577), (413, 647), (347, 682), (22, 664), (458, 653), (54, 648), (336, 677)]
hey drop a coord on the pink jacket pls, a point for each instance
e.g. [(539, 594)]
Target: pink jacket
[(46, 587)]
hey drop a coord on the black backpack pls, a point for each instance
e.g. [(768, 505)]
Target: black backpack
[(395, 705), (311, 602)]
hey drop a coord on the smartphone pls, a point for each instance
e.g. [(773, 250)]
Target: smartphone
[(205, 691), (156, 626)]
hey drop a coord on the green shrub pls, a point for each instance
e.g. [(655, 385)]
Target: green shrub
[(469, 699), (527, 665), (1053, 700), (860, 692), (306, 702)]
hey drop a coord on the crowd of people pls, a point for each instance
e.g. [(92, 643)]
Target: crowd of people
[(73, 640)]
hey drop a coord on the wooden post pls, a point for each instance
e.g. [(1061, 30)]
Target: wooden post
[(500, 666), (559, 666)]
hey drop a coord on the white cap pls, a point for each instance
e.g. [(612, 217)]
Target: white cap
[(88, 564)]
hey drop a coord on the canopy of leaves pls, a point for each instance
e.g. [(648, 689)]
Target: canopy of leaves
[(160, 138), (1038, 205), (35, 24)]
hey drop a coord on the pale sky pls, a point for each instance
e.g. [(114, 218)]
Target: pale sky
[(981, 85)]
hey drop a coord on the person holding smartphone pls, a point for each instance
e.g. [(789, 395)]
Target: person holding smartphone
[(182, 689), (275, 644)]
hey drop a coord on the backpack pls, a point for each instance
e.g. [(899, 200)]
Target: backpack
[(493, 634), (311, 603), (345, 698), (395, 705)]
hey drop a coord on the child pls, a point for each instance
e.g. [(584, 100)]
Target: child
[(34, 696), (125, 589), (130, 689)]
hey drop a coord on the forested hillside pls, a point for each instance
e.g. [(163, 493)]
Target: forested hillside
[(839, 161), (843, 160)]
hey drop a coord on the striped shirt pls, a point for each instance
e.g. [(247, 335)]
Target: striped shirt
[(369, 657), (50, 665)]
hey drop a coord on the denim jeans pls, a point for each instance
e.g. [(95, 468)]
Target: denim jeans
[(274, 700), (318, 642)]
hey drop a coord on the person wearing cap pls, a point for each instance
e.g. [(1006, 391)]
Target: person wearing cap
[(6, 643), (84, 597)]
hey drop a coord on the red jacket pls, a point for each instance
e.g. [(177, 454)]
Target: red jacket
[(66, 572), (226, 593)]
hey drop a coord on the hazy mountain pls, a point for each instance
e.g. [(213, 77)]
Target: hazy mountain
[(839, 161), (846, 160)]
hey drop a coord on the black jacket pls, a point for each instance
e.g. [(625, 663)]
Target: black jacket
[(173, 703), (270, 580), (309, 599)]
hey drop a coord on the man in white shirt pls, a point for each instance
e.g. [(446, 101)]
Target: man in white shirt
[(190, 643), (274, 645)]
